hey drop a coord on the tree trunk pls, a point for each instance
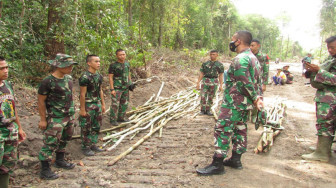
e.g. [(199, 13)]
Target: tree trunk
[(160, 24), (20, 23), (54, 43), (0, 9), (140, 38), (287, 47), (76, 15), (130, 16)]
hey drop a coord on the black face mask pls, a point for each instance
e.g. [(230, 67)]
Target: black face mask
[(232, 46)]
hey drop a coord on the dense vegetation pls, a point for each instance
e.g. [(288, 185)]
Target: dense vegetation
[(35, 30)]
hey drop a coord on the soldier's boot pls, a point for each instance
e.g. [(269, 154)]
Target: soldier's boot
[(322, 152), (216, 167), (96, 148), (234, 161), (209, 113), (61, 163), (123, 120), (4, 180), (203, 112), (46, 172), (114, 123), (88, 152), (313, 148)]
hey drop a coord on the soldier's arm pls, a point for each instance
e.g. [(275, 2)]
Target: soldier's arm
[(325, 77), (243, 75), (42, 111), (221, 80), (22, 134), (113, 92), (102, 99), (83, 90), (200, 77)]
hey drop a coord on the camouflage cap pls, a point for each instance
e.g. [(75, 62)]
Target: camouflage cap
[(62, 60)]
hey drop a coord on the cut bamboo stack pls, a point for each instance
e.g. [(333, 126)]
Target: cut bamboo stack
[(273, 127)]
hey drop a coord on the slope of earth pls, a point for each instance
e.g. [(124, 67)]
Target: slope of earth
[(187, 144)]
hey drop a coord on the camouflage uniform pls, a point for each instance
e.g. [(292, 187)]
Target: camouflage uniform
[(242, 88), (121, 82), (289, 76), (90, 125), (211, 70), (264, 66), (326, 99), (8, 129), (60, 115)]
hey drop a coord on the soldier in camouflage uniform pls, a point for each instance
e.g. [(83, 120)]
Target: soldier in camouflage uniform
[(120, 80), (56, 109), (92, 105), (324, 80), (264, 70), (240, 95), (11, 132), (210, 72)]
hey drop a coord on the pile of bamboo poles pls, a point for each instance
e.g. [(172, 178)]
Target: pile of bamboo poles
[(273, 127), (152, 117)]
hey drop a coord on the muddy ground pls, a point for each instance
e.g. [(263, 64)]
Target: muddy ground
[(186, 144)]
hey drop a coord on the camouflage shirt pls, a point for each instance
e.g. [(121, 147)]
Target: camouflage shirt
[(264, 66), (327, 78), (120, 73), (59, 102), (93, 83), (7, 102), (211, 69), (243, 81)]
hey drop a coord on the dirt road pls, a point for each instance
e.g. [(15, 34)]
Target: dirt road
[(187, 144)]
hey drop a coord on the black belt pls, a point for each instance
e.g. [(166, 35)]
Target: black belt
[(210, 77)]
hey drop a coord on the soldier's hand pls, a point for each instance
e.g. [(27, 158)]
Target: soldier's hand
[(221, 88), (258, 103), (312, 67), (263, 87), (82, 113), (42, 125), (113, 93), (198, 87), (22, 135), (103, 109)]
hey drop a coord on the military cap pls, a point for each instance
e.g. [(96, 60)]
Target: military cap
[(62, 61)]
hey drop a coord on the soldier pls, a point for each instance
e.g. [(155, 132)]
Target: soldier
[(210, 72), (11, 132), (288, 74), (56, 109), (263, 61), (120, 82), (240, 95), (306, 60), (264, 70), (92, 105), (324, 79)]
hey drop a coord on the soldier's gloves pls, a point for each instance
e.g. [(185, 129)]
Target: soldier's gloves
[(261, 118), (131, 87), (308, 74)]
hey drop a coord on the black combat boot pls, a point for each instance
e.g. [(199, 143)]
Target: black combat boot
[(203, 112), (234, 161), (216, 167), (209, 113), (123, 120), (46, 172), (96, 149), (61, 163), (88, 152)]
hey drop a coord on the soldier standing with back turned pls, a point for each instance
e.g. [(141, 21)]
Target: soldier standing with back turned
[(211, 72)]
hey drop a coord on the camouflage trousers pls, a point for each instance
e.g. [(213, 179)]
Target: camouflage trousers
[(208, 92), (8, 147), (55, 137), (326, 116), (119, 104), (90, 124), (230, 127)]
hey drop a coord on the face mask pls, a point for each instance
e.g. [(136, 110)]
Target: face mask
[(232, 46)]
